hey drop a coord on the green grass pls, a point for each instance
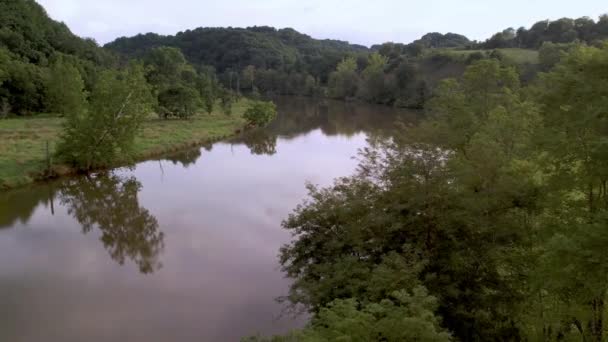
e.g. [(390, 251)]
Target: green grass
[(23, 147), (518, 56)]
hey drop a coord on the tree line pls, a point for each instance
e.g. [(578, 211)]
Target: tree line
[(260, 60), (564, 30), (283, 61), (264, 60)]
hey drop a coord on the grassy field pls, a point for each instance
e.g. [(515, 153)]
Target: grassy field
[(23, 147), (518, 56)]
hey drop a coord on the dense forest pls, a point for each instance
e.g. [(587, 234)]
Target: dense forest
[(283, 61)]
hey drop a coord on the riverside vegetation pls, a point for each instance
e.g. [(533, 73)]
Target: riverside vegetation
[(486, 222), (101, 109)]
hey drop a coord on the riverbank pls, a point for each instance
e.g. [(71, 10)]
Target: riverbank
[(23, 155)]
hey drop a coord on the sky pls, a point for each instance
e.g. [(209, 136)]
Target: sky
[(365, 22)]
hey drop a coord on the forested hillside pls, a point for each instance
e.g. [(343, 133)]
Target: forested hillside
[(30, 42), (564, 30), (236, 48), (32, 36), (284, 61)]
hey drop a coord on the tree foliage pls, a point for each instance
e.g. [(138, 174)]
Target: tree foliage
[(105, 133), (404, 316), (495, 204), (344, 81), (180, 89), (65, 89), (178, 101), (271, 61), (260, 113), (564, 30)]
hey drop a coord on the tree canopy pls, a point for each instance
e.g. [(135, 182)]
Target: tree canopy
[(103, 134), (564, 30), (494, 207)]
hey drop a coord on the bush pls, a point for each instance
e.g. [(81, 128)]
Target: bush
[(260, 113)]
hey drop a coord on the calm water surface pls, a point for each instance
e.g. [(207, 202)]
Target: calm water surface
[(178, 249)]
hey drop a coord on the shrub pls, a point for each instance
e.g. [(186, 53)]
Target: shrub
[(260, 113)]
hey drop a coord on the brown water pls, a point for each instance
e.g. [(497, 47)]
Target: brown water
[(178, 249)]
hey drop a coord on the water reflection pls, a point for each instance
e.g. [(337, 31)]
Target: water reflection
[(109, 203), (299, 116), (18, 206), (188, 157), (224, 206), (185, 158), (260, 142)]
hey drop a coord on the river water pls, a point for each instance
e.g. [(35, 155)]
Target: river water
[(178, 249)]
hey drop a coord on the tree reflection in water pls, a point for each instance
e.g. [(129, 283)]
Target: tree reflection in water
[(18, 206), (260, 142), (185, 158), (109, 202)]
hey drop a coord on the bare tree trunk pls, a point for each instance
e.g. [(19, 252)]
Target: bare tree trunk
[(5, 108), (597, 320), (579, 327)]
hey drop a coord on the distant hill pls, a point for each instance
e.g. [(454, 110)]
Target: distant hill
[(29, 33), (235, 48), (30, 41)]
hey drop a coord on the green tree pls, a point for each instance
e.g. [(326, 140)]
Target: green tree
[(180, 89), (249, 77), (574, 101), (260, 113), (165, 66), (65, 89), (452, 199), (343, 82), (550, 54), (207, 86), (374, 87), (105, 133), (404, 316), (179, 101), (226, 100), (460, 107), (22, 84)]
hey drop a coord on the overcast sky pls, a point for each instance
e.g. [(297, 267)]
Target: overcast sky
[(358, 21)]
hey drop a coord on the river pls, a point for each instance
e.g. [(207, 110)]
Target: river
[(183, 248)]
